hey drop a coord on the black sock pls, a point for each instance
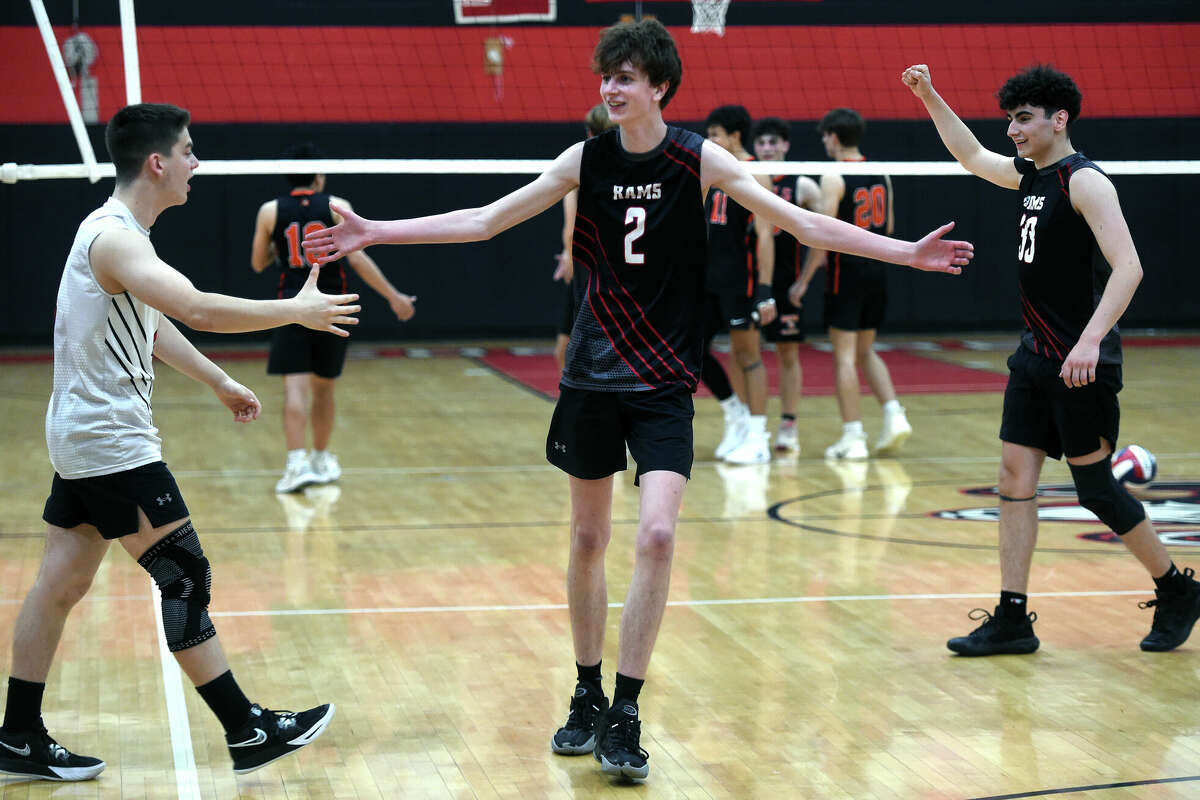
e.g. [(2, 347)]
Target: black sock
[(226, 700), (789, 418), (627, 689), (1013, 604), (23, 711), (1171, 581), (589, 676)]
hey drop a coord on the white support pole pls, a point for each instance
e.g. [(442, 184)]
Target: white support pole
[(64, 88), (133, 74)]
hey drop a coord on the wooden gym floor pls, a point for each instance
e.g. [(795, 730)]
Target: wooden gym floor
[(803, 654)]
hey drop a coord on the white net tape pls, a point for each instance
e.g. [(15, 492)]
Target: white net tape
[(12, 173), (708, 16)]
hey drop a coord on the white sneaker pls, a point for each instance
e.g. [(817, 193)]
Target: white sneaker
[(325, 466), (895, 432), (754, 449), (735, 432), (787, 438), (852, 446), (297, 475)]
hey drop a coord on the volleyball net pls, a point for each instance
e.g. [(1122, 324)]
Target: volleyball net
[(516, 61)]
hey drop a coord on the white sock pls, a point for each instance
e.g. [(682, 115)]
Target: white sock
[(757, 425), (296, 455), (892, 407), (852, 428), (733, 406)]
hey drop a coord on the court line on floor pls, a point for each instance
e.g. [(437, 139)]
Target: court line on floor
[(186, 781), (737, 601), (1073, 789)]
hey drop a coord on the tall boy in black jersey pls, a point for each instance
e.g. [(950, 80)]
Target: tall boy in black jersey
[(738, 283), (634, 355), (1064, 377), (309, 361), (856, 292), (771, 143)]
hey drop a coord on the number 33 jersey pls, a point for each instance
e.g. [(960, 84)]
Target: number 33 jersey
[(640, 250), (1062, 272)]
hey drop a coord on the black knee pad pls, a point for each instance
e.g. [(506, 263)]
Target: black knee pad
[(1100, 493), (181, 571)]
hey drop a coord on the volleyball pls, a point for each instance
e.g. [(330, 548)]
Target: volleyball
[(1134, 464)]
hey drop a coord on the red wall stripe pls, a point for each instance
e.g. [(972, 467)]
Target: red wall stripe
[(376, 74)]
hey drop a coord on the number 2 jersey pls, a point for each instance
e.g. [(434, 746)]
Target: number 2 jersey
[(1061, 271), (640, 239), (296, 214)]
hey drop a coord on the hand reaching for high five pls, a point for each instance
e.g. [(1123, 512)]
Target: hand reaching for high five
[(935, 254), (330, 244), (324, 312)]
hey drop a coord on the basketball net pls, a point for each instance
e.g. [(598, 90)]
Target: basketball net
[(708, 16)]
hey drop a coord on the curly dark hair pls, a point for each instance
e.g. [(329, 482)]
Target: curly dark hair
[(847, 123), (1045, 87), (645, 44), (734, 119)]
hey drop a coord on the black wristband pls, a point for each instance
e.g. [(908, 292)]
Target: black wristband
[(762, 294)]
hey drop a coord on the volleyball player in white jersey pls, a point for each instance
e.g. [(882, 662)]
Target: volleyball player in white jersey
[(110, 481)]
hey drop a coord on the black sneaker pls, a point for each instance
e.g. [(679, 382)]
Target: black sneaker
[(997, 635), (578, 736), (271, 735), (34, 754), (618, 743), (1174, 615)]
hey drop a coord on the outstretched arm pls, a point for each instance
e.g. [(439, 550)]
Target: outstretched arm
[(400, 303), (1095, 198), (172, 348), (123, 260), (464, 225), (957, 137), (932, 253)]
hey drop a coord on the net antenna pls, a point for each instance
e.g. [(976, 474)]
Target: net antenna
[(708, 16)]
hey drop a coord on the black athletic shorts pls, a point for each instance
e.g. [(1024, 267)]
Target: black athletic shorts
[(727, 311), (110, 502), (589, 431), (788, 325), (296, 349), (567, 319), (1041, 411), (855, 294)]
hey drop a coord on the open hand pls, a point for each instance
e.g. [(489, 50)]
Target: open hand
[(324, 312), (935, 254), (330, 244)]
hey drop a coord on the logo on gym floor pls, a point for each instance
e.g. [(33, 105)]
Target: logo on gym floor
[(1173, 508)]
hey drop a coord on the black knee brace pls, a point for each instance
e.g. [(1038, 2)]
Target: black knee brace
[(181, 571), (1100, 493)]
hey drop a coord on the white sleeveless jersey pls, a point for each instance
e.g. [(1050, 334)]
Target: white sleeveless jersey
[(99, 420)]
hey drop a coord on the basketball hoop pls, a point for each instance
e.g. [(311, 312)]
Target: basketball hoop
[(708, 16)]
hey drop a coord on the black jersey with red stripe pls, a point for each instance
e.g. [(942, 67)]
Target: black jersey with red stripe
[(640, 241), (296, 214), (788, 250), (1062, 272), (732, 245), (865, 204)]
